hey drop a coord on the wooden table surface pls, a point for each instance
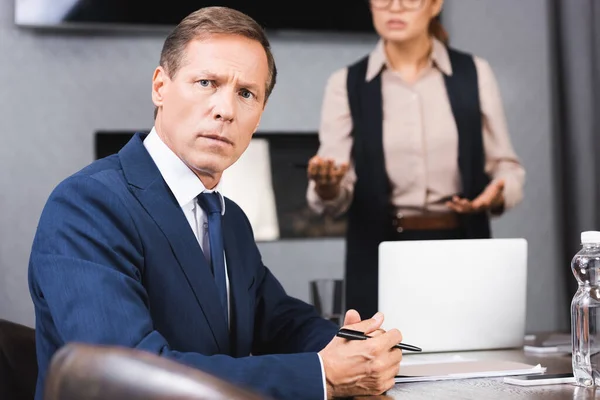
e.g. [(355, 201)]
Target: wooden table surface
[(494, 388)]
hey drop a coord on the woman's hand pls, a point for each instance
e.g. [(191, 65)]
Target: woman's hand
[(327, 175), (492, 198)]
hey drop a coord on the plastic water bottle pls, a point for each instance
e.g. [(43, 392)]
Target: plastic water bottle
[(585, 311)]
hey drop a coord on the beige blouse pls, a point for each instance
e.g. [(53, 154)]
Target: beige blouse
[(420, 137)]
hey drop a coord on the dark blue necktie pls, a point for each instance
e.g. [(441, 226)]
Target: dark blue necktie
[(211, 204)]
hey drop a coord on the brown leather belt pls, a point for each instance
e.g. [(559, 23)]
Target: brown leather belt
[(425, 222)]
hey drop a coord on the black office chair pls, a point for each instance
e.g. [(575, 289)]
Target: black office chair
[(18, 364), (85, 372)]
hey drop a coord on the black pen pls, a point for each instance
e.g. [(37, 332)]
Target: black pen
[(356, 335)]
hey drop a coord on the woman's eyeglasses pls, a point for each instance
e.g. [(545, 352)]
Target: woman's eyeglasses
[(410, 5)]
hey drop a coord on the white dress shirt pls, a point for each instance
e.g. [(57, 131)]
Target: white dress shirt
[(186, 187)]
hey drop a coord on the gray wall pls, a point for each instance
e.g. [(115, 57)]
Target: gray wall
[(58, 88), (514, 36)]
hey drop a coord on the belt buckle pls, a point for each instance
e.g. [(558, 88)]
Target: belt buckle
[(399, 217)]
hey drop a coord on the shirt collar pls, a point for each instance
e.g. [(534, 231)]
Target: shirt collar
[(182, 181), (378, 59)]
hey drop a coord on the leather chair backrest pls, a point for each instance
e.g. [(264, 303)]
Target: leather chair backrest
[(86, 372), (18, 363)]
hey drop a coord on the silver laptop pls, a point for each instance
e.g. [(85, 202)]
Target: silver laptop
[(454, 295)]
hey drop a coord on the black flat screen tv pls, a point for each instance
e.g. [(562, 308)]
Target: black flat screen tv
[(302, 15)]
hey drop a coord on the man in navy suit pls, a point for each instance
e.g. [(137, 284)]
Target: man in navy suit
[(140, 250)]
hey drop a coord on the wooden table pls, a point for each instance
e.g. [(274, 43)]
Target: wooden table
[(494, 388)]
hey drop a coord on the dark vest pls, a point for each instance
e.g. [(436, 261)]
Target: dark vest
[(370, 214)]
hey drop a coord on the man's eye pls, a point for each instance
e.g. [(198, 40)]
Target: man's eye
[(204, 82), (246, 94)]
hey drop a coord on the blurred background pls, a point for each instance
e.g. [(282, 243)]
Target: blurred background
[(76, 80)]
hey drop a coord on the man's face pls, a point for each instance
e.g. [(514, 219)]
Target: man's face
[(208, 111)]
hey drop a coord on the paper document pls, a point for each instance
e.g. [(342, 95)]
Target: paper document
[(458, 367)]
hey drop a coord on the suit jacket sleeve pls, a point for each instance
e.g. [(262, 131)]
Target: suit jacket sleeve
[(276, 332), (282, 324), (86, 269)]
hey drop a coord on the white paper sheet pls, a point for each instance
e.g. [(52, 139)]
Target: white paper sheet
[(457, 367)]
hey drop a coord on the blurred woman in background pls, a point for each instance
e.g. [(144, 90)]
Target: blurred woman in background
[(413, 144)]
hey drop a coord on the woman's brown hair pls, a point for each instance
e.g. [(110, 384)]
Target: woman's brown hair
[(437, 30)]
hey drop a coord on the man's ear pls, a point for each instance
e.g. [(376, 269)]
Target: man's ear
[(159, 81)]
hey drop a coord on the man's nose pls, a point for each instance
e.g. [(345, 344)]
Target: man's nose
[(224, 109)]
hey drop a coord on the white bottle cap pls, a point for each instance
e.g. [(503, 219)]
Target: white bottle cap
[(590, 237)]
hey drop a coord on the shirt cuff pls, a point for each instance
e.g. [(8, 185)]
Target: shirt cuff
[(513, 192), (323, 375)]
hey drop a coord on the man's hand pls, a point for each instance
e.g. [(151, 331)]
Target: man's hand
[(491, 198), (362, 367), (327, 176)]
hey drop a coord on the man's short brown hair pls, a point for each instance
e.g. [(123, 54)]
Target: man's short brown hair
[(208, 21)]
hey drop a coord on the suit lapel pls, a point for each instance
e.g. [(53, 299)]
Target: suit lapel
[(154, 195)]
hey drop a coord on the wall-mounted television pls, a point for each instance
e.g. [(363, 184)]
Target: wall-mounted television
[(301, 15)]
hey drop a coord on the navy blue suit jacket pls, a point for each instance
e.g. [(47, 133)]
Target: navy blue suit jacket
[(114, 261)]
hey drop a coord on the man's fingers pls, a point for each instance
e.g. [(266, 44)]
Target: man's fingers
[(395, 357), (367, 325), (377, 332), (352, 317), (388, 340)]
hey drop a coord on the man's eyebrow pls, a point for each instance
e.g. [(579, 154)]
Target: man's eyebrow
[(214, 76), (207, 74)]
